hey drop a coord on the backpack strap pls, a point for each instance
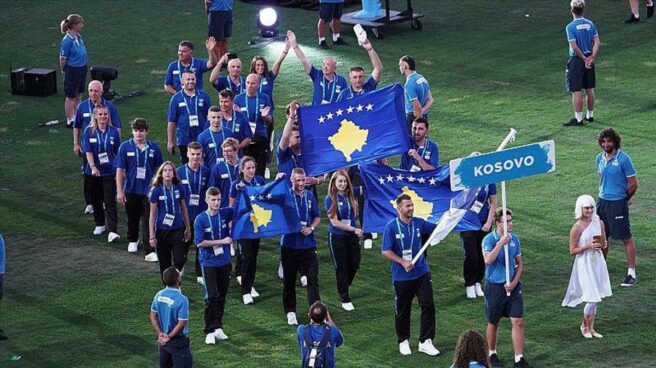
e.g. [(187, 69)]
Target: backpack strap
[(307, 337), (325, 339)]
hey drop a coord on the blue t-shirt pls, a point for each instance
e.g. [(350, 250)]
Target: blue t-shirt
[(176, 69), (104, 146), (195, 184), (213, 227), (482, 197), (349, 93), (583, 32), (225, 82), (316, 333), (84, 113), (171, 307), (307, 210), (399, 238), (325, 91), (251, 107), (473, 365), (416, 88), (222, 176), (266, 85), (287, 160), (220, 5), (238, 125), (331, 1), (73, 50), (2, 255), (181, 108), (168, 204), (429, 151), (211, 142), (239, 185), (131, 159), (613, 175), (345, 214), (496, 271)]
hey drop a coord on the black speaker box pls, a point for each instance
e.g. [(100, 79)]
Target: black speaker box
[(40, 82), (18, 81)]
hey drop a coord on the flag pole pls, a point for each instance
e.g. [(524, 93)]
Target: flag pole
[(509, 138)]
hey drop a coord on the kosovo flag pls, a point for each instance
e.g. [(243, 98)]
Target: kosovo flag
[(265, 211), (345, 133), (430, 192)]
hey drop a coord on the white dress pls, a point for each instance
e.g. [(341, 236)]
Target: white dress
[(589, 282)]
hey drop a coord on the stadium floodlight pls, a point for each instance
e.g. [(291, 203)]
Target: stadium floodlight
[(267, 22)]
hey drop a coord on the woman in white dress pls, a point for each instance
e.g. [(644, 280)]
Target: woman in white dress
[(589, 282)]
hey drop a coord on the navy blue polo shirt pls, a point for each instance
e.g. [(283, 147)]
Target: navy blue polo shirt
[(181, 108), (73, 50), (496, 271), (287, 160), (222, 176), (195, 184), (211, 142), (171, 307), (168, 203), (84, 113), (213, 227), (325, 91), (345, 214), (482, 197), (399, 237), (349, 93), (266, 85), (429, 151), (307, 210), (613, 175), (238, 125), (316, 333), (129, 158), (251, 107), (176, 69), (583, 31), (225, 82), (416, 88), (102, 145), (240, 184)]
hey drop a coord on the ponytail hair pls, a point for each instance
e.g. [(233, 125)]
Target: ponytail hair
[(69, 22)]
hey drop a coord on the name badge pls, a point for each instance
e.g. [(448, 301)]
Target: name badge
[(346, 222), (168, 220), (252, 124), (141, 173), (303, 223), (175, 72), (211, 145), (184, 181), (415, 168), (93, 140), (181, 104), (194, 199), (237, 128), (103, 158), (86, 114), (193, 120), (476, 207), (224, 176), (264, 82), (407, 254), (427, 155), (218, 250), (325, 102), (208, 229), (219, 159)]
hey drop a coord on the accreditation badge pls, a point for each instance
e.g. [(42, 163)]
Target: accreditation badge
[(253, 125), (141, 173), (407, 254), (218, 250), (194, 199), (103, 158), (415, 168), (193, 120), (168, 220)]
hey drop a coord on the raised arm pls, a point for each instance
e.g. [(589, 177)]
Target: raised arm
[(216, 72), (299, 53), (287, 130), (281, 58), (375, 60), (210, 44)]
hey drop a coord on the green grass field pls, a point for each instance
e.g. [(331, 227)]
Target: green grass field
[(72, 300)]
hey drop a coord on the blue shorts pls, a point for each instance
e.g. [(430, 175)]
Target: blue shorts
[(615, 216), (499, 305), (75, 80), (219, 24), (330, 11), (577, 76)]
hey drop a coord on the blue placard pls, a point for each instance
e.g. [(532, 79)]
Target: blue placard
[(494, 167)]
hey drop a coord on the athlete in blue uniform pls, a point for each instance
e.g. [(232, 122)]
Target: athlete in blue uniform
[(424, 154), (226, 171), (418, 96), (233, 81), (234, 120), (213, 137), (186, 62), (356, 75)]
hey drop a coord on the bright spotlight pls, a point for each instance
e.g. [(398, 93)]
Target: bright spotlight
[(267, 22)]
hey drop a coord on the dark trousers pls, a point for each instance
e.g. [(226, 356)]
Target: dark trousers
[(248, 249), (183, 154), (86, 188), (345, 250), (473, 267), (258, 150), (171, 249), (188, 245), (137, 209), (405, 291), (176, 353), (217, 280), (292, 259), (103, 191)]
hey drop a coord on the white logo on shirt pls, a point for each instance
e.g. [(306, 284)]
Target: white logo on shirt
[(165, 300), (583, 27)]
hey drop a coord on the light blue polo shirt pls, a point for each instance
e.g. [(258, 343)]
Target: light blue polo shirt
[(195, 184), (430, 152), (130, 157), (176, 69), (211, 142), (367, 87), (613, 175), (496, 271), (222, 176), (583, 32), (168, 203), (181, 107), (213, 227), (99, 143), (220, 5), (325, 91), (252, 107), (399, 237), (307, 210), (171, 307), (84, 113), (73, 50), (416, 88)]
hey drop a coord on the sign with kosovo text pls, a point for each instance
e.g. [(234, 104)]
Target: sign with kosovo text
[(345, 133), (508, 164)]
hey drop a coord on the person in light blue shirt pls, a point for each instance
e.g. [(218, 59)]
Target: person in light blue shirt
[(418, 96), (213, 137), (219, 24), (584, 46), (169, 316), (2, 275), (356, 75), (186, 62), (618, 183), (470, 351), (73, 63), (320, 333), (226, 171), (330, 13), (401, 243), (424, 154)]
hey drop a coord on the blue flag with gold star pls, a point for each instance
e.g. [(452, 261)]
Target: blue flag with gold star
[(430, 192), (345, 133), (265, 211)]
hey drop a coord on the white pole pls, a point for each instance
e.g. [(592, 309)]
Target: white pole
[(509, 138)]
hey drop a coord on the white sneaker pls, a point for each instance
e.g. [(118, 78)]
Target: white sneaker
[(374, 235), (427, 347), (471, 292), (348, 306), (112, 236), (404, 348), (267, 173), (232, 250), (220, 335), (248, 299), (132, 247), (254, 293), (281, 274), (368, 244), (98, 230), (210, 339), (291, 319), (151, 257), (88, 209), (303, 281), (479, 290), (200, 280), (239, 280)]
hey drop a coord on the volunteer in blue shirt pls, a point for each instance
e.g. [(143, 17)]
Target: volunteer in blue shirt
[(169, 316), (326, 83), (226, 171), (219, 24), (618, 183), (424, 154), (186, 62), (498, 304), (470, 351), (356, 75), (73, 63), (169, 220), (233, 81), (2, 275), (344, 235), (321, 332), (212, 237), (330, 13), (195, 177), (248, 248), (100, 142), (234, 120), (418, 97), (299, 250), (187, 116), (213, 137), (580, 74), (137, 160), (401, 243)]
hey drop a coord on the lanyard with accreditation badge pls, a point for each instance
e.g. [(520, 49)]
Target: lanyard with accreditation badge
[(168, 216), (216, 148), (193, 118), (141, 170), (180, 71), (218, 249), (194, 199), (307, 208), (103, 158), (406, 253), (323, 89)]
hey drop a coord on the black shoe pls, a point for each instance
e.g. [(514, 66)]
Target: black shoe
[(522, 364), (633, 19), (339, 41), (494, 361), (629, 281), (650, 11), (3, 337), (324, 45), (590, 119), (574, 122)]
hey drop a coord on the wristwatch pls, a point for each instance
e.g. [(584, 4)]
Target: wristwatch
[(312, 227)]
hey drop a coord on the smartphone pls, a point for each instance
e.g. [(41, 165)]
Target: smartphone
[(232, 55)]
